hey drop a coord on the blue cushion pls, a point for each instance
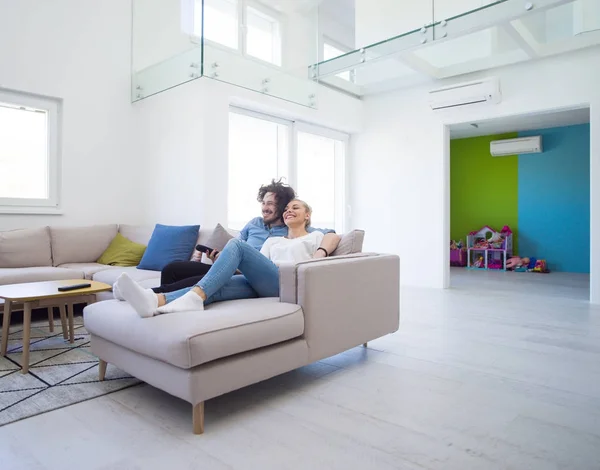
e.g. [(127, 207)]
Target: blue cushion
[(169, 243)]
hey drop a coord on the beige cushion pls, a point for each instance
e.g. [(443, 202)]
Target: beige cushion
[(351, 242), (25, 248), (137, 233), (89, 269), (80, 244), (42, 273), (109, 276), (188, 339)]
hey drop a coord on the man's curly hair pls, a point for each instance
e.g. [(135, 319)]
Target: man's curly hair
[(283, 194)]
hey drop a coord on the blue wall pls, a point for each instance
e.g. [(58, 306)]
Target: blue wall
[(554, 199)]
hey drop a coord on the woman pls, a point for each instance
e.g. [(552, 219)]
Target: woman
[(260, 270)]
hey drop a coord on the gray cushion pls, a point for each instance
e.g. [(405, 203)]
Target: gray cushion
[(41, 273), (80, 244), (109, 276), (25, 248), (188, 339), (350, 243), (219, 238)]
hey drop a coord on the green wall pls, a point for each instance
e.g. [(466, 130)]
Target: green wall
[(483, 189)]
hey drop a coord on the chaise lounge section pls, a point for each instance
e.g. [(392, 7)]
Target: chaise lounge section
[(325, 307)]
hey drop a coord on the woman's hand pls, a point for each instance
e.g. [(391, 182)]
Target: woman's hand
[(213, 255)]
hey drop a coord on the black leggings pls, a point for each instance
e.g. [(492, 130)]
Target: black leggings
[(181, 274)]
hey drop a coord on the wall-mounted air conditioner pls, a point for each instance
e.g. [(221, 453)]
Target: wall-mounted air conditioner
[(501, 148), (465, 94)]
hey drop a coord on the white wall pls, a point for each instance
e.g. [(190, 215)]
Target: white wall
[(399, 184), (186, 143), (78, 51)]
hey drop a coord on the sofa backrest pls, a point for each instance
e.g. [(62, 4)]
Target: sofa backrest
[(80, 244), (137, 233), (25, 248)]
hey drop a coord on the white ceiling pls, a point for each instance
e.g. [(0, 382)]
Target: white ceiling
[(342, 11), (525, 122)]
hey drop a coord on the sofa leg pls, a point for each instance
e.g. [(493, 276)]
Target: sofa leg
[(365, 345), (198, 418), (102, 369)]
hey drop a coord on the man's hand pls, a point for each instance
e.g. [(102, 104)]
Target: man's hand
[(319, 254), (213, 255)]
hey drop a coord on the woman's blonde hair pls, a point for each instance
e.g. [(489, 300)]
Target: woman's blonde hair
[(307, 208)]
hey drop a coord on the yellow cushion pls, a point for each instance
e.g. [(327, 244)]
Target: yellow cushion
[(122, 252)]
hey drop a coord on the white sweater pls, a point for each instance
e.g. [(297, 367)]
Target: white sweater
[(281, 249)]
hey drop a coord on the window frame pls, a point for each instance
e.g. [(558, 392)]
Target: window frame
[(341, 159), (268, 12), (50, 205), (241, 48)]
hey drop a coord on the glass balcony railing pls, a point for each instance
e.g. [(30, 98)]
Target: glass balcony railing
[(288, 48), (266, 46), (444, 38)]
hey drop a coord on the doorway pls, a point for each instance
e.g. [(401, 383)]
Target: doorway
[(536, 206)]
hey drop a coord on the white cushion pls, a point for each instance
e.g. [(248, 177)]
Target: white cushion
[(25, 248), (80, 244)]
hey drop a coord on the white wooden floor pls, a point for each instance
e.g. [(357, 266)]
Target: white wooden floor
[(475, 379)]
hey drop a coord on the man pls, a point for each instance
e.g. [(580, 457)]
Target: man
[(273, 198)]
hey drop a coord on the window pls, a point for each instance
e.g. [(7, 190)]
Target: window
[(331, 51), (221, 21), (246, 26), (310, 158), (320, 177), (263, 39), (258, 152), (28, 153)]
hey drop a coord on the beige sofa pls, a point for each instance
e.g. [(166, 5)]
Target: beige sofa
[(325, 307)]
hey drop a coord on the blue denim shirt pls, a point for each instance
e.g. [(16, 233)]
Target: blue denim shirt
[(255, 233)]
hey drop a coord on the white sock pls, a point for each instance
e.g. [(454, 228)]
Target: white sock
[(116, 291), (144, 301), (187, 302)]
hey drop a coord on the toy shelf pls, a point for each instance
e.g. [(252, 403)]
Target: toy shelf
[(492, 249)]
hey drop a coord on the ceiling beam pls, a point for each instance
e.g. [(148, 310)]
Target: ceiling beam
[(521, 34), (419, 65)]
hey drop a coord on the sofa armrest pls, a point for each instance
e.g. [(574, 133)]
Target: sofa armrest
[(346, 300)]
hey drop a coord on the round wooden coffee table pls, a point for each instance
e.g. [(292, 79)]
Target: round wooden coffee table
[(44, 294)]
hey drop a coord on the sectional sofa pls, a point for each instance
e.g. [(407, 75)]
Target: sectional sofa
[(325, 307)]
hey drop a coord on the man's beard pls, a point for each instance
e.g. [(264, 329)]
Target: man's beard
[(270, 218)]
